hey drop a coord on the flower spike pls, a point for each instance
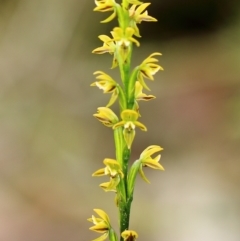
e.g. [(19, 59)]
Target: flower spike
[(121, 176)]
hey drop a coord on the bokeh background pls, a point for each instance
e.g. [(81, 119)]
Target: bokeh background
[(50, 144)]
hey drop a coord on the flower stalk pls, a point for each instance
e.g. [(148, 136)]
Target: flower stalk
[(122, 177)]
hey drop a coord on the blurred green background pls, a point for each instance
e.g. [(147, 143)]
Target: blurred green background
[(50, 144)]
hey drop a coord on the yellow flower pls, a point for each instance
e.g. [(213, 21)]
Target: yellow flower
[(108, 85), (105, 6), (124, 38), (147, 161), (102, 224), (139, 95), (147, 69), (106, 116), (109, 46), (112, 169), (137, 16), (120, 43), (129, 122), (129, 235)]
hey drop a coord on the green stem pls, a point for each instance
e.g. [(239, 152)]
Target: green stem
[(131, 88), (122, 99), (118, 138)]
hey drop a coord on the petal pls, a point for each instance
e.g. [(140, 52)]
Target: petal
[(113, 166), (102, 50), (141, 96), (102, 215), (140, 125), (145, 17), (132, 10), (153, 163), (150, 151), (129, 32), (146, 72), (110, 18), (108, 187), (94, 220), (134, 41), (105, 38), (121, 123), (146, 97), (143, 175), (106, 116), (141, 8), (100, 172), (100, 228), (141, 81), (113, 98), (101, 238), (114, 63)]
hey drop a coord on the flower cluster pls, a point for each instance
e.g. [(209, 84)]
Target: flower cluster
[(120, 44)]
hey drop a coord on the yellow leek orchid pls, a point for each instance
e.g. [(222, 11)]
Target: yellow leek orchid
[(105, 6), (102, 224), (106, 116), (129, 235), (129, 122), (112, 169), (109, 46), (137, 16), (139, 95), (123, 40), (147, 69), (107, 84), (148, 161)]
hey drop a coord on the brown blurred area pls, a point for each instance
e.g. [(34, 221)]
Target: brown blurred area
[(50, 144)]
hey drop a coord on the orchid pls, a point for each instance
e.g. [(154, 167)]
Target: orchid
[(129, 122)]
